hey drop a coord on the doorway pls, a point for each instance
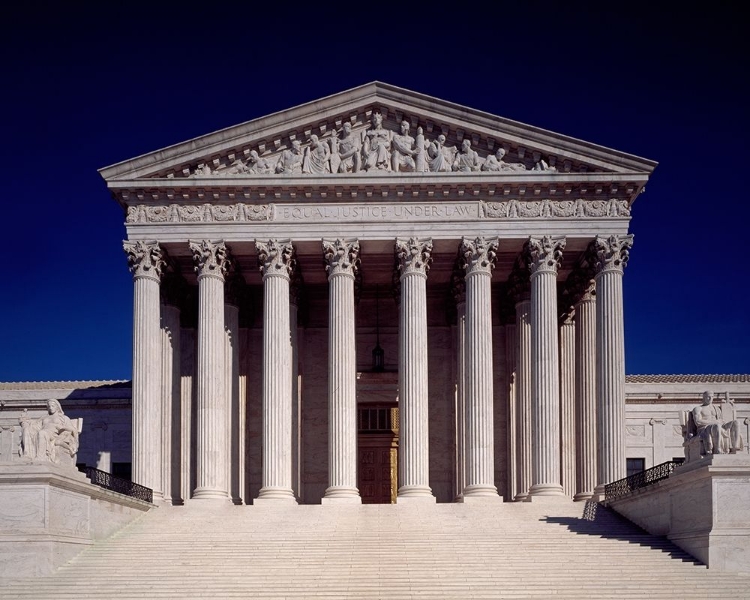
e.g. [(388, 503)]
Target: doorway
[(377, 453)]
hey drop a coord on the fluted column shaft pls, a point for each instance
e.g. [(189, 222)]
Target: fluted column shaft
[(170, 394), (276, 259), (567, 406), (586, 449), (523, 399), (612, 255), (146, 262), (479, 422), (460, 395), (413, 259), (342, 259), (545, 255), (212, 455), (232, 382)]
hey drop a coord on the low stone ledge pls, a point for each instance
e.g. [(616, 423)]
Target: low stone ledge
[(48, 514), (703, 507)]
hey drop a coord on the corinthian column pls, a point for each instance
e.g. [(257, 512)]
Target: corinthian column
[(212, 456), (518, 293), (480, 257), (276, 259), (585, 321), (413, 261), (458, 290), (342, 263), (544, 259), (146, 261), (611, 256), (568, 403)]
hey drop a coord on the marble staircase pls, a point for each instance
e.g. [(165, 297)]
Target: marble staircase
[(216, 550)]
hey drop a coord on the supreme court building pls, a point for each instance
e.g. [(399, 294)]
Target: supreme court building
[(378, 296)]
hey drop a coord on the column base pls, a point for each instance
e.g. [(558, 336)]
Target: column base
[(210, 494), (598, 495), (480, 491), (275, 494), (546, 489), (339, 495), (416, 493), (582, 496), (521, 497)]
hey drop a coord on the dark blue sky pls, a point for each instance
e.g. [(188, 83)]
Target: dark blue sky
[(87, 87)]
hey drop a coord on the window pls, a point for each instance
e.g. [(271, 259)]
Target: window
[(635, 465)]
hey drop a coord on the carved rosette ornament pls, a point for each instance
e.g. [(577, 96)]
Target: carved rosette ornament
[(211, 258), (413, 256), (145, 259), (276, 258), (480, 255), (341, 257), (612, 253), (544, 254)]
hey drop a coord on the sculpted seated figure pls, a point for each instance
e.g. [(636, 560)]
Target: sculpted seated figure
[(404, 151), (345, 152), (290, 161), (317, 157), (376, 149), (43, 438), (718, 427), (467, 159), (440, 157)]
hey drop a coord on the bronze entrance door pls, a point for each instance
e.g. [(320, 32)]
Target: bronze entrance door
[(377, 471)]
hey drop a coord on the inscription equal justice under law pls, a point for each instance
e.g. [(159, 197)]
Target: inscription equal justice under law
[(369, 212)]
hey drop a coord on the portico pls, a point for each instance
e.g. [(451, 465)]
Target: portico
[(262, 284)]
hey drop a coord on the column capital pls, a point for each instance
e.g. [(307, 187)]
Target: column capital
[(480, 254), (544, 254), (612, 253), (276, 258), (413, 256), (145, 259), (341, 256), (211, 258)]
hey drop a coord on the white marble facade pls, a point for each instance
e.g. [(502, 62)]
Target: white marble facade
[(270, 259)]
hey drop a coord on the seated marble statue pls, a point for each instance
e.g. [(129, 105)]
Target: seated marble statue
[(317, 157), (404, 151), (49, 437), (290, 161), (258, 165), (376, 146), (466, 159), (439, 156), (718, 427), (345, 152)]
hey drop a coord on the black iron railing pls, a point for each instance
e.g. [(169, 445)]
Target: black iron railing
[(119, 485), (622, 487)]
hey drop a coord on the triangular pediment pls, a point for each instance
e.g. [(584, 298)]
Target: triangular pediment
[(372, 130)]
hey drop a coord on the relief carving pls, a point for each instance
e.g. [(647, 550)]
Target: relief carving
[(519, 209), (175, 213), (53, 438), (371, 149)]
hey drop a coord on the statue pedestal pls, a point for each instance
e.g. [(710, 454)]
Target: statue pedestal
[(49, 513), (703, 507)]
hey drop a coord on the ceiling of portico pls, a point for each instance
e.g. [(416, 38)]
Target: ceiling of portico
[(306, 148)]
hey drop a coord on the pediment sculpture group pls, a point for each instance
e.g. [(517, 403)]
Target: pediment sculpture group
[(375, 149)]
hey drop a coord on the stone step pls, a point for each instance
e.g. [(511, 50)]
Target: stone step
[(438, 551)]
